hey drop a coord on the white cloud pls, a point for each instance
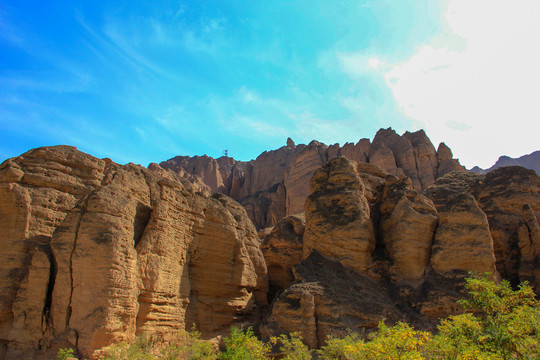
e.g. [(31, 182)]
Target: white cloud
[(475, 85)]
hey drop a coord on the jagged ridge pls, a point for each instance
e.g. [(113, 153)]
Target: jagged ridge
[(276, 184)]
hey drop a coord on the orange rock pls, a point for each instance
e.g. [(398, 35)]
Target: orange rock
[(426, 157), (446, 163), (407, 223), (338, 223), (282, 249), (402, 152), (302, 164), (502, 195), (529, 247), (290, 168), (462, 240), (329, 299), (99, 252)]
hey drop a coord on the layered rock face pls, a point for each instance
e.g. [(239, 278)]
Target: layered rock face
[(407, 225), (509, 199), (338, 221), (329, 299), (96, 252), (367, 230), (276, 184), (282, 249)]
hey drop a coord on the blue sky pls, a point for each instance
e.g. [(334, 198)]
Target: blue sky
[(145, 81)]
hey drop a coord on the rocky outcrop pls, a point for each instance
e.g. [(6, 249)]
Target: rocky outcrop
[(282, 249), (338, 221), (425, 156), (462, 241), (329, 299), (529, 248), (203, 167), (426, 245), (407, 224), (446, 162), (303, 163), (502, 195), (97, 252), (402, 151), (291, 167)]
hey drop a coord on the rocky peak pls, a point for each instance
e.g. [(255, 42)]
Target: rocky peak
[(276, 184), (290, 143)]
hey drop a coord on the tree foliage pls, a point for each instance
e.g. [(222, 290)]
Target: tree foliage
[(498, 323)]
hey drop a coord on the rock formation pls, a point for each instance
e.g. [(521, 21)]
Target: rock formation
[(96, 252), (282, 249), (426, 244), (338, 221), (407, 223), (329, 299), (276, 184)]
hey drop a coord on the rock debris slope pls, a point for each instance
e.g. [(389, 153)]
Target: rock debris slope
[(95, 252)]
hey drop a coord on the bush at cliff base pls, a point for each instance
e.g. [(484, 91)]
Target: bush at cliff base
[(244, 345), (498, 323)]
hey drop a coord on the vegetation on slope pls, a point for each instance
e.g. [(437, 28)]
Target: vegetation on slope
[(498, 323)]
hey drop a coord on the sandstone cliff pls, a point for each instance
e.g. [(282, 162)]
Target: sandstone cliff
[(95, 252), (367, 230), (276, 184)]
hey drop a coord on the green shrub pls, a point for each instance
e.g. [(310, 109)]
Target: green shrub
[(339, 348), (400, 341), (64, 353), (501, 324), (292, 346), (244, 346)]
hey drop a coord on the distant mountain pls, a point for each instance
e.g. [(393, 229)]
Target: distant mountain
[(531, 161)]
